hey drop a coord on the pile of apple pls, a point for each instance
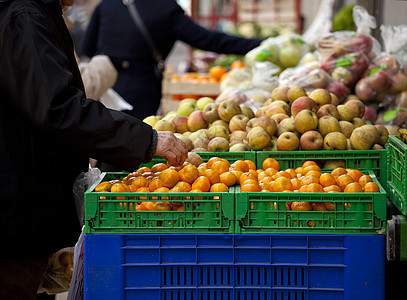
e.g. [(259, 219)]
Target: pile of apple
[(290, 120), (207, 126)]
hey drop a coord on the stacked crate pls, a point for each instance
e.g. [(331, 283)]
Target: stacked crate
[(239, 245)]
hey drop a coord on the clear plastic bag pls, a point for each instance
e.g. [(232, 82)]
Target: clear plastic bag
[(284, 51), (264, 76), (321, 25)]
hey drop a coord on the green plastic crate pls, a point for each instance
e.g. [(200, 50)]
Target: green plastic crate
[(355, 213), (115, 212), (229, 156), (397, 173), (374, 160)]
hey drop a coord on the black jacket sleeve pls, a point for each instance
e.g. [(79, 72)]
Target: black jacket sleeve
[(43, 84), (186, 30)]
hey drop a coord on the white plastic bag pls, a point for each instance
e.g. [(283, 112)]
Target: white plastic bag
[(321, 25), (82, 183), (111, 99), (76, 290)]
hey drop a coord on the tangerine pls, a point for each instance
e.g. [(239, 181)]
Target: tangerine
[(189, 173), (202, 183), (326, 179), (212, 175), (353, 187), (240, 165), (228, 178), (219, 188), (169, 177), (216, 72), (365, 179), (271, 163), (371, 187)]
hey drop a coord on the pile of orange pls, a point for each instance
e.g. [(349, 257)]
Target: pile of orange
[(310, 179), (193, 77), (219, 73), (217, 175)]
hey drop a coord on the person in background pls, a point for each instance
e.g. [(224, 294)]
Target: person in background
[(48, 130), (112, 31)]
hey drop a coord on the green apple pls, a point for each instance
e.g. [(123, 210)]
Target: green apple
[(289, 56), (201, 103), (186, 108), (151, 120)]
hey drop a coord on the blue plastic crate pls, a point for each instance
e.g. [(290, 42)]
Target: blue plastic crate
[(232, 266)]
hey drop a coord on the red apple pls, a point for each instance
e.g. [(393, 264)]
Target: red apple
[(311, 140), (303, 103)]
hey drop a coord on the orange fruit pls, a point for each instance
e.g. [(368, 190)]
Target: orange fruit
[(318, 206), (303, 189), (237, 64), (313, 172), (219, 188), (212, 160), (355, 174), (343, 181), (216, 72), (262, 175), (282, 184), (228, 178), (270, 171), (338, 172), (240, 165), (371, 187), (292, 173), (306, 169), (249, 181), (309, 179), (301, 206), (251, 164), (169, 177), (266, 180), (330, 206), (103, 187), (282, 174), (189, 173), (308, 163), (155, 184), (298, 170), (245, 176), (196, 191), (271, 163), (119, 188), (332, 189), (327, 179), (159, 167), (183, 186), (201, 169), (250, 188), (162, 189), (353, 187), (202, 183), (365, 179), (296, 183), (140, 182), (314, 188), (143, 170), (220, 166), (212, 175), (237, 174)]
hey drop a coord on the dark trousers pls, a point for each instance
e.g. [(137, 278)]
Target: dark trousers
[(20, 278)]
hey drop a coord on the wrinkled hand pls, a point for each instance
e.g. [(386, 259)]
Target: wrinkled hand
[(171, 148)]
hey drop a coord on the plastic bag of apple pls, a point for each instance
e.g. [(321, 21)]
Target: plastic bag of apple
[(217, 175), (284, 51)]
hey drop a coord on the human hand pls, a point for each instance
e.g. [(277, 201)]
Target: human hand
[(171, 148)]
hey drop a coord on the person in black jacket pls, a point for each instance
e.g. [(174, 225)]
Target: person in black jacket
[(48, 131), (166, 23)]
